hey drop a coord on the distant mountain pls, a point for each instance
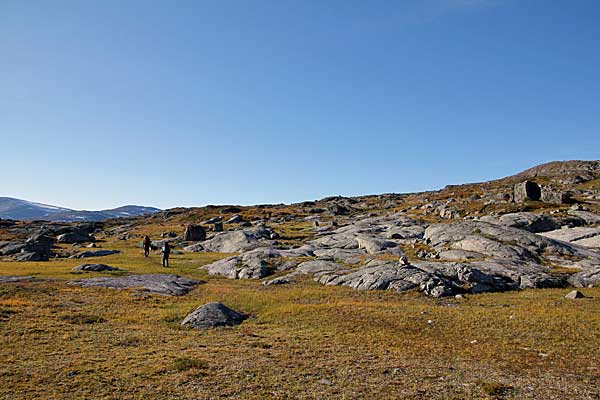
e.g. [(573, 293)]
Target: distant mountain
[(27, 210)]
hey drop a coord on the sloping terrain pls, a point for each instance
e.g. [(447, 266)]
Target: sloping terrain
[(456, 293)]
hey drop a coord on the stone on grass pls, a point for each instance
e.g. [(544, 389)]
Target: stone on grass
[(12, 278), (74, 237), (574, 294), (213, 315), (95, 268), (165, 284), (98, 253)]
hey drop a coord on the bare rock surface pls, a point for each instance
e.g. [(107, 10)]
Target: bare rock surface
[(525, 220), (74, 237), (95, 268), (237, 241), (97, 253), (164, 284), (254, 264), (433, 279), (12, 278), (590, 218), (584, 236)]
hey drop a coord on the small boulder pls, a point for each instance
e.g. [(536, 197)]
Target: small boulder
[(213, 315), (574, 294)]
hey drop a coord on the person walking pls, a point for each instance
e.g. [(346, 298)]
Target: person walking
[(147, 243), (166, 251)]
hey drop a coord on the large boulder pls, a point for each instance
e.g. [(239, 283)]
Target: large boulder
[(555, 197), (164, 284), (255, 264), (213, 315), (74, 237), (237, 241), (194, 233), (526, 190), (238, 267)]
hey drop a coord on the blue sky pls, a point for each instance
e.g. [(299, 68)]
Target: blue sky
[(190, 103)]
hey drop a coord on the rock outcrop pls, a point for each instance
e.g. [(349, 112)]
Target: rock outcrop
[(164, 284), (97, 253), (95, 268)]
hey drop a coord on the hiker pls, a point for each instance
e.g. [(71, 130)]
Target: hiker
[(147, 244), (166, 251)]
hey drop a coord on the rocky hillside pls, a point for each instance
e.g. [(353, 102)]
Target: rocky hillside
[(539, 228)]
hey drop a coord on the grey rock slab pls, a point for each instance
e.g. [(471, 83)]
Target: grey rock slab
[(164, 284), (442, 278), (502, 242), (587, 278), (281, 280), (317, 267), (12, 278), (95, 268), (238, 267), (525, 220), (374, 245), (31, 256), (254, 264), (349, 256), (213, 315), (97, 253), (459, 255), (74, 237), (237, 241), (584, 236), (590, 218)]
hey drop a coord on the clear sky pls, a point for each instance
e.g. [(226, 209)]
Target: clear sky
[(183, 103)]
